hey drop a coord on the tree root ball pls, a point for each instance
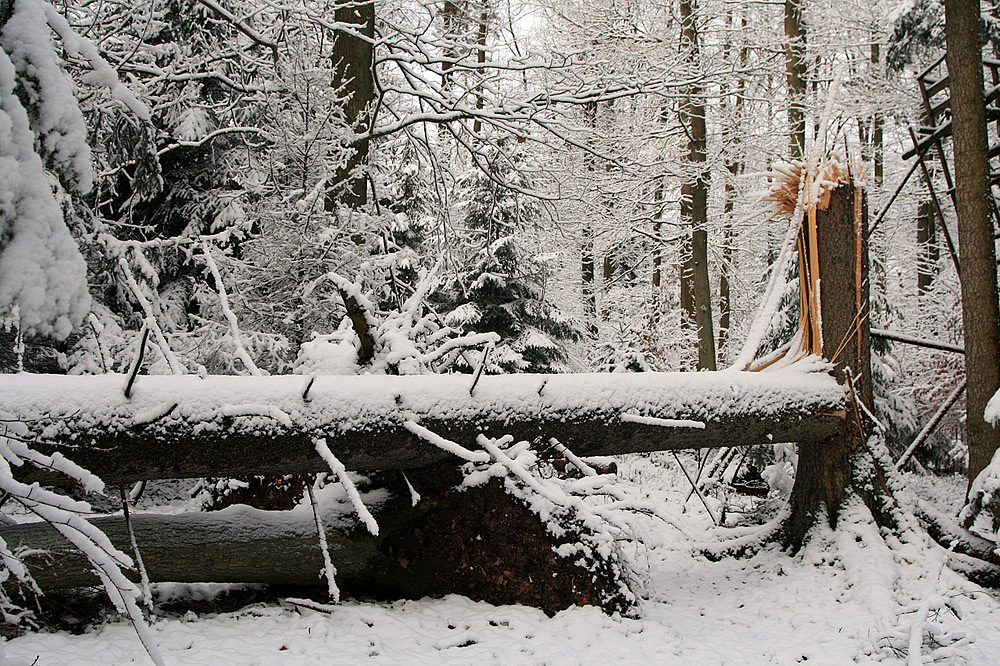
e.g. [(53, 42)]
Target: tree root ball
[(487, 545)]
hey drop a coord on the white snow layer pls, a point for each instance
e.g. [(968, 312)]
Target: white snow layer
[(42, 273), (56, 118)]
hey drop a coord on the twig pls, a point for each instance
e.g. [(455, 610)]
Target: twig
[(919, 342), (696, 488), (305, 391), (136, 362), (573, 458), (338, 468), (328, 569), (234, 327), (137, 491), (147, 594), (479, 369), (929, 428), (233, 20), (445, 444)]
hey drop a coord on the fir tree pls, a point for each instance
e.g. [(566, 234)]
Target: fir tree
[(501, 289)]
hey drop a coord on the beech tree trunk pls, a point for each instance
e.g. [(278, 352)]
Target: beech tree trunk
[(354, 78), (795, 72), (978, 274), (694, 199), (734, 166)]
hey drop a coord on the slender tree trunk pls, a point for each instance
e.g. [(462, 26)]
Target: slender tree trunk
[(587, 275), (728, 237), (354, 76), (453, 19), (609, 274), (795, 71), (878, 125), (980, 308), (734, 166), (926, 247), (657, 245), (484, 20), (694, 197)]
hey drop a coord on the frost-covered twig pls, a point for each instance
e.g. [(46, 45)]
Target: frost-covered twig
[(103, 74), (445, 444), (913, 657), (665, 423), (147, 594), (234, 327), (352, 492), (63, 514), (147, 308), (329, 571), (241, 25), (258, 409)]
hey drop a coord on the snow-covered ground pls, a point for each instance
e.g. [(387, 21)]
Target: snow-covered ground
[(848, 598)]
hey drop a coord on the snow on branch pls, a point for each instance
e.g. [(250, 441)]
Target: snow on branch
[(345, 480), (444, 444), (666, 423), (102, 74), (234, 327), (364, 417), (66, 516)]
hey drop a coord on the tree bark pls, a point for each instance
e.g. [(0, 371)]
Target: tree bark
[(238, 545), (588, 287), (694, 198), (734, 166), (826, 471), (795, 73), (354, 78), (978, 274), (185, 426), (481, 34)]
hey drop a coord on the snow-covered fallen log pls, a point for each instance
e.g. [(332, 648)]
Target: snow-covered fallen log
[(238, 544), (525, 549), (190, 426)]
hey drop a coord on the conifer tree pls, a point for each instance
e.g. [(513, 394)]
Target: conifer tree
[(502, 287)]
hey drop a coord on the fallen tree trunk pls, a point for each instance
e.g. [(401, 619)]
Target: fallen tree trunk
[(480, 542), (189, 426), (236, 545)]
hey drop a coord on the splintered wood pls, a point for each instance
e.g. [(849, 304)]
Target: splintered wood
[(797, 192)]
